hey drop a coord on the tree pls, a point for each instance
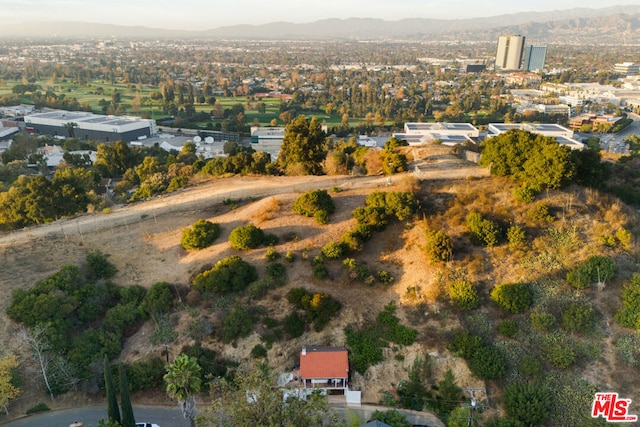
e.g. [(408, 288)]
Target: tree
[(183, 384), (315, 203), (246, 237), (528, 403), (113, 411), (512, 297), (303, 148), (439, 246), (252, 400), (128, 420), (37, 341), (8, 390)]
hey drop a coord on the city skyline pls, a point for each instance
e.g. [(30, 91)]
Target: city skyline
[(203, 14)]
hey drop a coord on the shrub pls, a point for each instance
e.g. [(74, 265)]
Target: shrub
[(439, 246), (99, 266), (319, 307), (365, 349), (542, 321), (373, 217), (317, 204), (231, 274), (201, 234), (525, 194), (158, 299), (482, 231), (395, 203), (516, 237), (629, 315), (40, 407), (333, 250), (278, 272), (271, 254), (463, 294), (512, 297), (540, 212), (237, 324), (579, 317), (508, 328), (246, 237), (487, 364), (528, 403), (391, 417), (589, 271), (259, 352), (465, 345), (270, 240), (384, 277), (290, 256), (320, 270), (358, 271), (293, 325), (145, 375), (558, 351), (530, 366)]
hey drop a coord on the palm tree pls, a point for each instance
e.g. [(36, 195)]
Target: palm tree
[(70, 126), (184, 383)]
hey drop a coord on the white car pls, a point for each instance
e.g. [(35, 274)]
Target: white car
[(146, 425)]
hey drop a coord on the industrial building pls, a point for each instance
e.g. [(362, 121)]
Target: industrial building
[(510, 51), (627, 69), (84, 125)]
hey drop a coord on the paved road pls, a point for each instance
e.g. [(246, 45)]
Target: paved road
[(170, 417), (91, 415)]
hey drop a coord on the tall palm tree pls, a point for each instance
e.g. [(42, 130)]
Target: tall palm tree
[(183, 384)]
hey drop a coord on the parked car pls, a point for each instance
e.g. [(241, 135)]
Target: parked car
[(146, 425)]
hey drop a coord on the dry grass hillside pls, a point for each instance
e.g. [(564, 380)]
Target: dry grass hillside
[(146, 249)]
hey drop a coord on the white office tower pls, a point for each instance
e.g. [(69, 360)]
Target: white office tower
[(509, 54)]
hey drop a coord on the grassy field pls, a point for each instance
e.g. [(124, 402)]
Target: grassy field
[(98, 91)]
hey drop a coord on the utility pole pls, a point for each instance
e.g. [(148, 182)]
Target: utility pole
[(474, 404)]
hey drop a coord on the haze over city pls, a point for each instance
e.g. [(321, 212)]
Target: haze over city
[(202, 14)]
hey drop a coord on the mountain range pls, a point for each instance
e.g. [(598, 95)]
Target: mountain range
[(615, 24)]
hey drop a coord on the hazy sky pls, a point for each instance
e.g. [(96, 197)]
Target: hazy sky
[(206, 14)]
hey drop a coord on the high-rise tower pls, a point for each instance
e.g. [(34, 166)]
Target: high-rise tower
[(510, 50), (534, 57)]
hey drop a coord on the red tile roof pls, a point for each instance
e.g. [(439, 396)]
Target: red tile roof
[(324, 362)]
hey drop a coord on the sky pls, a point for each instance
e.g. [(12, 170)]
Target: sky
[(209, 14)]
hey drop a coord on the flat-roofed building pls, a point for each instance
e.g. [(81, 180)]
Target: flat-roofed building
[(267, 138), (627, 69), (445, 133), (84, 125), (563, 135)]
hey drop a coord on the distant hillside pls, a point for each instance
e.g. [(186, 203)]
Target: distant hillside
[(584, 23)]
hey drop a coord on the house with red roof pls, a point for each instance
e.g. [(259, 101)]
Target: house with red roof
[(324, 368)]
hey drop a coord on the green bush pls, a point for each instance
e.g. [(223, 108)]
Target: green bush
[(516, 237), (398, 204), (271, 254), (540, 213), (293, 325), (40, 407), (201, 234), (99, 266), (391, 417), (246, 237), (542, 321), (358, 271), (231, 274), (317, 204), (158, 300), (463, 294), (145, 375), (530, 366), (290, 256), (512, 297), (439, 246), (320, 270), (237, 324), (508, 328), (629, 315), (319, 307), (579, 317), (333, 250), (277, 272), (558, 351), (465, 345), (385, 277), (589, 271), (528, 403), (482, 231), (374, 217), (365, 349), (487, 364), (259, 352), (525, 194)]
